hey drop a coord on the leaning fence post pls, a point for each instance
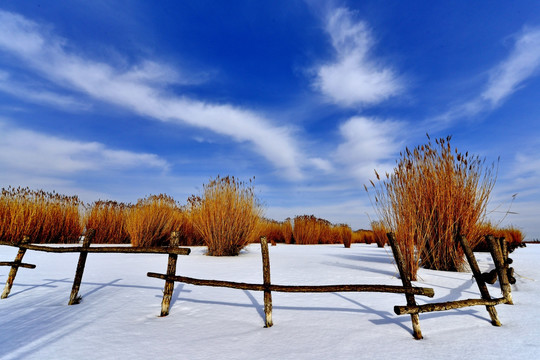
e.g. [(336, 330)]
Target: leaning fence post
[(14, 269), (266, 281), (479, 279), (171, 271), (74, 297), (405, 279), (498, 259)]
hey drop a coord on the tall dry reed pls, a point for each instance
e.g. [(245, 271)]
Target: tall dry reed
[(512, 234), (379, 233), (45, 217), (434, 194), (151, 221), (345, 233), (287, 230), (226, 215), (310, 230), (272, 230), (108, 219), (363, 236), (306, 230)]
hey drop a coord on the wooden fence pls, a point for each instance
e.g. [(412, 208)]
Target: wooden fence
[(498, 250), (173, 251), (268, 287), (499, 253)]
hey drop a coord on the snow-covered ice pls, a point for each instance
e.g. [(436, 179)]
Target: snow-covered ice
[(118, 316)]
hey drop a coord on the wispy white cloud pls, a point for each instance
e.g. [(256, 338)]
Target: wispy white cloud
[(355, 77), (41, 96), (28, 153), (524, 174), (322, 164), (523, 62), (505, 79), (141, 89), (369, 144)]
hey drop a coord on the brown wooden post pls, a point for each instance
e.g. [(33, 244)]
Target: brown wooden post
[(405, 279), (266, 282), (74, 297), (171, 272), (504, 249), (14, 269), (497, 254), (479, 279)]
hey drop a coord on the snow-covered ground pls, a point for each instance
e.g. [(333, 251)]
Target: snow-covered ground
[(118, 317)]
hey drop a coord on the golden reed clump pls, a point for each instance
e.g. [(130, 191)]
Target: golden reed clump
[(151, 221), (363, 236), (434, 194), (345, 233), (108, 219), (273, 230), (226, 215), (307, 229), (310, 230), (45, 217), (512, 234), (379, 233)]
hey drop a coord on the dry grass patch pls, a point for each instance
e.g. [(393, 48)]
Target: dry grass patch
[(306, 230), (108, 219), (434, 194), (379, 233), (345, 233), (363, 236), (152, 220), (42, 216), (226, 215), (273, 230), (512, 234)]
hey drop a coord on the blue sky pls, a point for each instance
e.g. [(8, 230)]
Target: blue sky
[(118, 100)]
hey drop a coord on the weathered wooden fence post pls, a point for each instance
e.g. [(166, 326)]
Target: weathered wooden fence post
[(479, 279), (74, 297), (266, 282), (405, 279), (171, 271), (507, 261), (500, 265), (14, 268)]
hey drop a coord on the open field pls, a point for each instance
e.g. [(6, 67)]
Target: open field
[(118, 314)]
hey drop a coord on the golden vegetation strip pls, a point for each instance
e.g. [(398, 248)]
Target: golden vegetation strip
[(226, 217)]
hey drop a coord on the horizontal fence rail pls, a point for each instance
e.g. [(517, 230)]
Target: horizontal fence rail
[(429, 292), (103, 249)]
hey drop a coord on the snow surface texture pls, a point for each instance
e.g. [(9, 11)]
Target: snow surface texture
[(118, 315)]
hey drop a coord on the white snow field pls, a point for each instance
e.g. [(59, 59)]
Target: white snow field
[(118, 316)]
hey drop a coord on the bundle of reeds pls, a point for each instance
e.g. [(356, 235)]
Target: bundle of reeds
[(434, 194), (379, 233), (306, 230), (108, 219), (226, 215), (45, 217), (151, 221)]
